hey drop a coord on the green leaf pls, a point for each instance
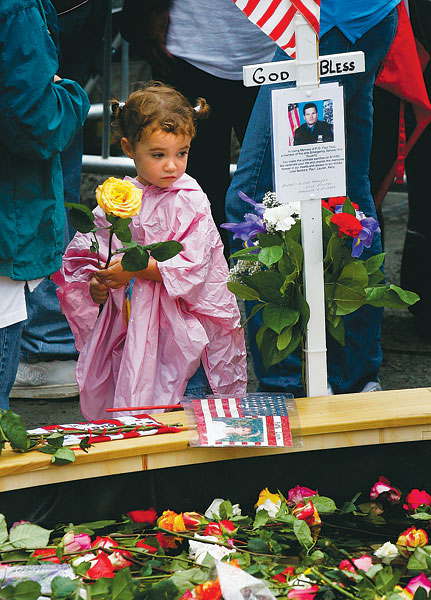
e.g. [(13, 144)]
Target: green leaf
[(3, 529), (27, 535), (98, 524), (337, 332), (63, 587), (225, 509), (418, 560), (421, 516), (243, 291), (267, 240), (164, 250), (56, 440), (268, 284), (296, 254), (246, 254), (390, 296), (270, 353), (261, 519), (122, 585), (304, 309), (347, 299), (80, 216), (303, 533), (63, 456), (164, 590), (349, 506), (354, 276), (122, 231), (278, 317), (348, 208), (284, 338), (373, 263), (15, 431), (258, 545), (375, 278), (135, 259), (386, 580), (100, 589), (270, 255), (26, 590), (84, 444), (324, 505), (259, 335)]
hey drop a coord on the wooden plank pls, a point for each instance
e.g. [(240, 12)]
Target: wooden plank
[(326, 422)]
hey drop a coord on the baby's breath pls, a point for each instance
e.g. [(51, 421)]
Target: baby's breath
[(242, 269)]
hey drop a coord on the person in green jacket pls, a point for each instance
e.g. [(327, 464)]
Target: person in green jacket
[(40, 114)]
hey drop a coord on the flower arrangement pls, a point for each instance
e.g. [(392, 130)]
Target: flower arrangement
[(295, 546), (120, 200), (269, 271)]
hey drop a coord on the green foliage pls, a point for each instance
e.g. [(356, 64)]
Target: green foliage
[(278, 286)]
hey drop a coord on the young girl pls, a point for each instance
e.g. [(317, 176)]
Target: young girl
[(184, 325)]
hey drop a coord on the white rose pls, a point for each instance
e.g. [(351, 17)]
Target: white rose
[(281, 217), (271, 507), (387, 552), (212, 511)]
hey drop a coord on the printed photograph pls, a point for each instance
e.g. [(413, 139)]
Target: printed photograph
[(311, 122)]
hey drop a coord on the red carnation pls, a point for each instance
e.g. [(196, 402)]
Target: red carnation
[(347, 224)]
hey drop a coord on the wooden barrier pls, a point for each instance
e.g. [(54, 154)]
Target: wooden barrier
[(327, 422)]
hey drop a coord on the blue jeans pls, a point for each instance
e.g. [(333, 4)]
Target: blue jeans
[(198, 384), (10, 338), (352, 366)]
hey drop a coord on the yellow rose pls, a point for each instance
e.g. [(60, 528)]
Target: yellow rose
[(118, 197), (172, 521), (267, 495)]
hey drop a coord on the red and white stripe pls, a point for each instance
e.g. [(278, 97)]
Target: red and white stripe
[(276, 18)]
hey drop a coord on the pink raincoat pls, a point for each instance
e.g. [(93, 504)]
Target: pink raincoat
[(189, 317)]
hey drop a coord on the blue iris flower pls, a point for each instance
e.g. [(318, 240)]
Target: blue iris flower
[(365, 238), (252, 224)]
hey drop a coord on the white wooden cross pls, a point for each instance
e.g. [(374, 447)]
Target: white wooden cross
[(306, 70)]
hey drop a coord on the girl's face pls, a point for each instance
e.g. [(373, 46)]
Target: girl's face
[(160, 157)]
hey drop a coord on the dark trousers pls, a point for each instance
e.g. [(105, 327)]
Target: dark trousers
[(231, 104)]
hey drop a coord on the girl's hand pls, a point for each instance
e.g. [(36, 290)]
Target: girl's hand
[(98, 291), (114, 276)]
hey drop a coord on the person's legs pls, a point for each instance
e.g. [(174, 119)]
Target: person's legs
[(10, 339), (351, 367)]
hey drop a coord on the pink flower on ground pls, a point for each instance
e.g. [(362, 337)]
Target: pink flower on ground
[(298, 493), (364, 562), (417, 582), (76, 542), (417, 498), (303, 593), (384, 488)]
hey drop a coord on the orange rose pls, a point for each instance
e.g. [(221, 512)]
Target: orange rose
[(172, 521), (411, 538)]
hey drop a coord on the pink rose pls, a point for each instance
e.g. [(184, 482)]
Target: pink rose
[(417, 498), (303, 593), (298, 493), (417, 582), (76, 542), (364, 562), (383, 487)]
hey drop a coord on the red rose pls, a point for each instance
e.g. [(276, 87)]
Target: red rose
[(142, 544), (347, 224), (282, 577), (218, 529), (118, 559), (417, 498), (143, 516), (104, 542), (303, 593), (192, 520), (210, 590), (46, 552), (101, 568), (307, 512), (166, 541)]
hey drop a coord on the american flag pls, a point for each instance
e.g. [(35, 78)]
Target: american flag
[(276, 18), (266, 418), (294, 121)]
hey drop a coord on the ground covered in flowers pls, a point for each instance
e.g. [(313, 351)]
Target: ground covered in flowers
[(297, 545)]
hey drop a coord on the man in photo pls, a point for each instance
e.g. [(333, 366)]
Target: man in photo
[(312, 131), (229, 429)]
